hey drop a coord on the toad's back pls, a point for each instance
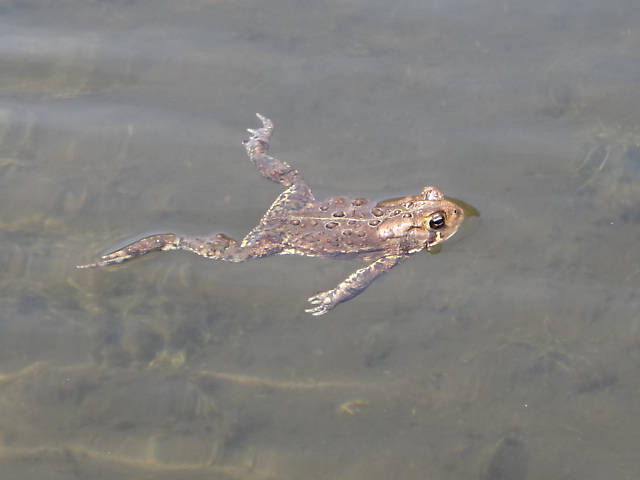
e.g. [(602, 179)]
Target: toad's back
[(342, 226)]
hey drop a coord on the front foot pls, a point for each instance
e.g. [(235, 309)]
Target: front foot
[(323, 301), (164, 241), (351, 286)]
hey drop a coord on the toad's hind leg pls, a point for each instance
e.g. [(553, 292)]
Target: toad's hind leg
[(219, 247), (351, 286), (293, 198), (271, 167)]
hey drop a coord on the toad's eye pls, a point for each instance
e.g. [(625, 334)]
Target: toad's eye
[(437, 221)]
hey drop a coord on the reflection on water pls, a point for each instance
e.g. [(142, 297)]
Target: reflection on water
[(512, 354)]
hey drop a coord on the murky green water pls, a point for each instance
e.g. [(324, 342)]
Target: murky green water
[(511, 354)]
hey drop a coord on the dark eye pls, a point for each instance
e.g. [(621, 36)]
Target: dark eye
[(437, 221)]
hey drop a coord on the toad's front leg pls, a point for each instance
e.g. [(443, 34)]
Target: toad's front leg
[(351, 286)]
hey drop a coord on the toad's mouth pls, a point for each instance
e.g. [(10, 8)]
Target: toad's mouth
[(468, 210)]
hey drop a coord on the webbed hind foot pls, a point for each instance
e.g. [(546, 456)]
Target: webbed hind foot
[(163, 241), (271, 167)]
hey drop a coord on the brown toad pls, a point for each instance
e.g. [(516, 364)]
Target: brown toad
[(296, 223)]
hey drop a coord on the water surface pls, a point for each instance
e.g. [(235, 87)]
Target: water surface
[(511, 354)]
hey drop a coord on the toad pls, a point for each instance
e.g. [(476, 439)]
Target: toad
[(381, 233)]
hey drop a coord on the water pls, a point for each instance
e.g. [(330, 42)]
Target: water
[(511, 354)]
